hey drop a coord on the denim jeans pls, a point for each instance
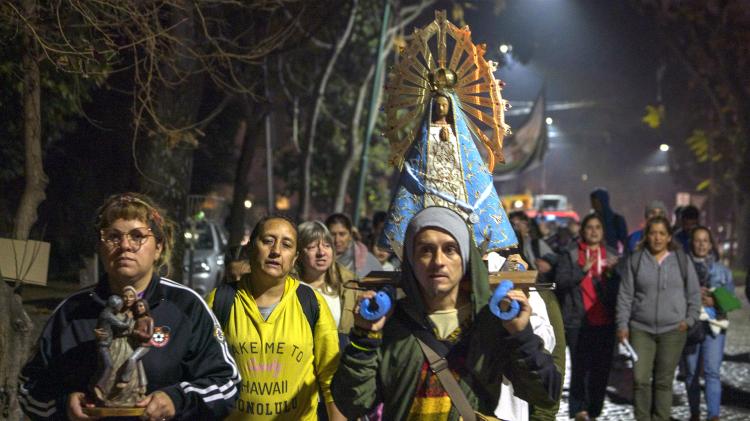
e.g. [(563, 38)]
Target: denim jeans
[(710, 352)]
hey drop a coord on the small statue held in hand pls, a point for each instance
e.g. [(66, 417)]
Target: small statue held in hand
[(123, 333), (140, 338), (112, 321)]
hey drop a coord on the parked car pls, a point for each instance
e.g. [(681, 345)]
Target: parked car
[(552, 208), (209, 245)]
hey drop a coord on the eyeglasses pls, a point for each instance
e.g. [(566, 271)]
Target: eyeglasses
[(136, 237)]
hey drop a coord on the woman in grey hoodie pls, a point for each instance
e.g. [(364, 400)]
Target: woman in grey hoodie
[(658, 301)]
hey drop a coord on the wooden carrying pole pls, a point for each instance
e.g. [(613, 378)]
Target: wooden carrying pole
[(521, 280)]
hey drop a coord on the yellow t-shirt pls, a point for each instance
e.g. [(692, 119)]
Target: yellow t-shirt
[(283, 368)]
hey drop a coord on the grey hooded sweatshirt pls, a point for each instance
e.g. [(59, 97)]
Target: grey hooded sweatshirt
[(657, 299)]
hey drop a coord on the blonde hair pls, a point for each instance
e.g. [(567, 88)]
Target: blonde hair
[(131, 206), (308, 233)]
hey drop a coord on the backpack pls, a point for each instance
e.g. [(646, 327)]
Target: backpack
[(224, 300)]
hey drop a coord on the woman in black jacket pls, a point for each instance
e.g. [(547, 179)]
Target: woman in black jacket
[(189, 370), (587, 289)]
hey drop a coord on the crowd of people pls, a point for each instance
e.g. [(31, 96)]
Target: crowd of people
[(283, 337)]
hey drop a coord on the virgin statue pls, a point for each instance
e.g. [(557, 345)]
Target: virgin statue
[(451, 105)]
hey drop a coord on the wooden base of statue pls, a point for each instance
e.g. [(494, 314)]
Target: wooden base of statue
[(114, 412)]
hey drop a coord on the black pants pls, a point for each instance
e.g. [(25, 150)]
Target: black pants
[(591, 350)]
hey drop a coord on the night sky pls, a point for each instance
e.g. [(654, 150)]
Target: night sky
[(598, 51)]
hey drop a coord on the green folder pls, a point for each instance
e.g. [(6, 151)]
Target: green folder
[(725, 299)]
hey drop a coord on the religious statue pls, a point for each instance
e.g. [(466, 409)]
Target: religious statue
[(123, 333), (141, 338), (437, 112), (129, 295), (112, 325)]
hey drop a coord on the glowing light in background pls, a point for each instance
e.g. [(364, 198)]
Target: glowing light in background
[(664, 147)]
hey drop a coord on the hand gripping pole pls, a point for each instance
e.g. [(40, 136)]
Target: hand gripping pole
[(374, 309)]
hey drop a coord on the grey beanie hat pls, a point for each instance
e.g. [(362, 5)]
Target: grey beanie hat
[(443, 219), (656, 204)]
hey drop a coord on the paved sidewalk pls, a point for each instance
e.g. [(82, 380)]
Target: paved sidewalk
[(735, 378)]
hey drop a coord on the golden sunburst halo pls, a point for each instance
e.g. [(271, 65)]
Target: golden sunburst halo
[(419, 74)]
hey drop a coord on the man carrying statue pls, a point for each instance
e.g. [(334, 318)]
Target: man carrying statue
[(443, 323), (441, 353)]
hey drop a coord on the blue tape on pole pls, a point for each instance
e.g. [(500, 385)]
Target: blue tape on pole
[(374, 309)]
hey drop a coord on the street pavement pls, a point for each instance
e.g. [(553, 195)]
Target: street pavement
[(735, 379)]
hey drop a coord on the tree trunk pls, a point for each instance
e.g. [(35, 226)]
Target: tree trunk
[(36, 179), (742, 183), (242, 180), (15, 345), (15, 324), (166, 159), (354, 145), (406, 16), (239, 193), (314, 115)]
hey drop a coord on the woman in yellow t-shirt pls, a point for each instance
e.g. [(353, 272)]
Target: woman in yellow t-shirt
[(285, 358)]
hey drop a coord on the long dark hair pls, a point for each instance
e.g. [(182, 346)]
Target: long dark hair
[(659, 219), (714, 251), (339, 218)]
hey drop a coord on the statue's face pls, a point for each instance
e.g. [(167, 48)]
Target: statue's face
[(128, 297), (140, 308), (442, 105)]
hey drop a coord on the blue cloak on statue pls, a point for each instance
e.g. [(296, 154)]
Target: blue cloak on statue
[(450, 172)]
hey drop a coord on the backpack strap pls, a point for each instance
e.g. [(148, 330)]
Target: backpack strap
[(310, 305), (637, 261), (223, 302), (439, 366), (535, 248), (682, 263)]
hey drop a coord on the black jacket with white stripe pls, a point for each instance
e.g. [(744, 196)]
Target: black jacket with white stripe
[(189, 359)]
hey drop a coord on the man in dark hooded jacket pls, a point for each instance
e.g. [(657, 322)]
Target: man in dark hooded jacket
[(615, 228), (446, 306)]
